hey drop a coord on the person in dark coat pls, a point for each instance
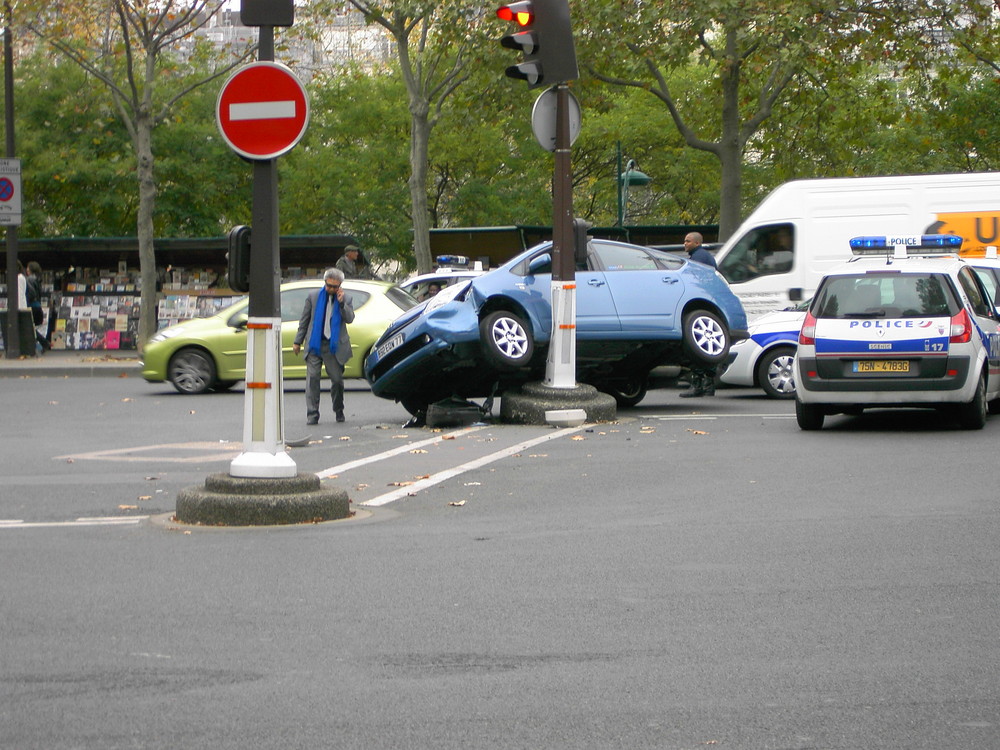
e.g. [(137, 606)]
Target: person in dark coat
[(702, 377), (323, 330)]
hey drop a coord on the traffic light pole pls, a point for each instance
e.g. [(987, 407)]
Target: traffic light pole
[(560, 368), (264, 453)]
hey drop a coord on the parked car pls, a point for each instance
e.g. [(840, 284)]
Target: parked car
[(764, 359), (899, 329), (210, 353), (636, 309)]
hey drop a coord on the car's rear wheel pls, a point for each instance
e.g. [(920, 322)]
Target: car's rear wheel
[(972, 416), (191, 371), (775, 373), (627, 392), (706, 337), (507, 340), (224, 385), (809, 416)]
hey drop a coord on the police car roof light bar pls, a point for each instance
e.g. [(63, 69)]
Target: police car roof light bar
[(926, 244)]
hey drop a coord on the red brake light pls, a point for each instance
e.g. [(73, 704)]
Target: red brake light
[(808, 333), (961, 328)]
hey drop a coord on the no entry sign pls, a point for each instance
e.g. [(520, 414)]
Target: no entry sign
[(262, 110)]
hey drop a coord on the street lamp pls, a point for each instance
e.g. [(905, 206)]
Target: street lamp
[(626, 178)]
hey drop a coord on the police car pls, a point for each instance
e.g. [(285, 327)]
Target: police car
[(451, 269), (765, 358), (904, 323)]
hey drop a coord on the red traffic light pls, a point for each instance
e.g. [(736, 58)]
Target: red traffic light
[(520, 13)]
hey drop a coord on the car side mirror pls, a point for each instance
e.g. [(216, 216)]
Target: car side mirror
[(239, 321)]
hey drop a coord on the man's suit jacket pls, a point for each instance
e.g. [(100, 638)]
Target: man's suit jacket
[(305, 325)]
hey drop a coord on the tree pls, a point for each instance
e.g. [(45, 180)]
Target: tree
[(756, 53), (433, 40), (133, 47)]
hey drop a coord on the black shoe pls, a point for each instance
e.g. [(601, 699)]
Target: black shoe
[(693, 392), (341, 417), (312, 420)]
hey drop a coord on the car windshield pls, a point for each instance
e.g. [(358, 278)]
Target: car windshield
[(885, 296)]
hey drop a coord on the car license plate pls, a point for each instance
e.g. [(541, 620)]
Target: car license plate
[(882, 365), (389, 345)]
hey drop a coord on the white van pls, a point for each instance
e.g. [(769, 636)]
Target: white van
[(803, 228)]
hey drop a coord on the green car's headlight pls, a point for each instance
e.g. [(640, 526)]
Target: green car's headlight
[(166, 333)]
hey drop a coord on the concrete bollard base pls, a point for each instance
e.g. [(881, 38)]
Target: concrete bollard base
[(243, 501), (528, 403)]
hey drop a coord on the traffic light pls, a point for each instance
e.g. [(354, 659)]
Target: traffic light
[(238, 259), (546, 39)]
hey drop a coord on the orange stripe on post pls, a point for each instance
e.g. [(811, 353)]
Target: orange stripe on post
[(569, 286), (259, 326), (564, 327), (265, 386)]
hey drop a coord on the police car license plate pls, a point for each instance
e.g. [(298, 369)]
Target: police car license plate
[(882, 365), (389, 345)]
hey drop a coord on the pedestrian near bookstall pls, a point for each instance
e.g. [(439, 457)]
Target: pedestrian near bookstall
[(323, 329), (354, 265), (33, 293)]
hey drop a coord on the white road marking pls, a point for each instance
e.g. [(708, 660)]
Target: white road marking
[(106, 521), (693, 417), (394, 452), (262, 110), (474, 464)]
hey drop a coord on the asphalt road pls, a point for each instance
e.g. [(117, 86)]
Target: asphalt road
[(695, 574)]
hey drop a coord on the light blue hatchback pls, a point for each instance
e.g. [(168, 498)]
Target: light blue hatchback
[(636, 309)]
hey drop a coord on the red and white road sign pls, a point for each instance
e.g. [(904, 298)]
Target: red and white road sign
[(262, 110)]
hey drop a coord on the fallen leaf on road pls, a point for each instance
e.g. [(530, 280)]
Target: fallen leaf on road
[(152, 479), (128, 507), (538, 455), (192, 412), (400, 437), (361, 487), (345, 437), (578, 437), (418, 450), (448, 437), (473, 484), (457, 503), (53, 403), (144, 497), (400, 484), (126, 400), (697, 432), (423, 476)]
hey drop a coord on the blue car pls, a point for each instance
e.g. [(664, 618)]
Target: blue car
[(636, 308)]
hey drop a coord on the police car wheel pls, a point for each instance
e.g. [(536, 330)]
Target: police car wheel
[(809, 416), (775, 374), (706, 337), (972, 416), (507, 340)]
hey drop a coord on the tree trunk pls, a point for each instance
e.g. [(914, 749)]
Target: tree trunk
[(731, 143), (144, 226), (420, 131)]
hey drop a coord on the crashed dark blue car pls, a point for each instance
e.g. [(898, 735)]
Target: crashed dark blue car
[(636, 309)]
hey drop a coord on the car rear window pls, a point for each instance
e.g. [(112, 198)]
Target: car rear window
[(885, 296), (401, 298)]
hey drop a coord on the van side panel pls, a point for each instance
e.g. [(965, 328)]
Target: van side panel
[(825, 214)]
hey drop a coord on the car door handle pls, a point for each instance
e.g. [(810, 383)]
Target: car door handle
[(596, 282), (669, 279)]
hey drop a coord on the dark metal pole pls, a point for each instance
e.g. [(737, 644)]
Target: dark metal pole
[(12, 339), (563, 262), (265, 253)]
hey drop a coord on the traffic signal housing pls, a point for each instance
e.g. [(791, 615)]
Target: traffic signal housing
[(238, 259), (545, 36)]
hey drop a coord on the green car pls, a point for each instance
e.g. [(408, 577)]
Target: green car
[(210, 353)]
